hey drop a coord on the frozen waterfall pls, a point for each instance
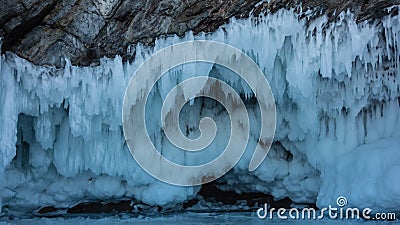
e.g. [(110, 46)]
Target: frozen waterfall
[(337, 95)]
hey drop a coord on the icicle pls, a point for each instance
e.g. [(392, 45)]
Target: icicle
[(320, 76)]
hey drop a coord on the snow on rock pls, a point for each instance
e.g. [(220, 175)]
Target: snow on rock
[(336, 88)]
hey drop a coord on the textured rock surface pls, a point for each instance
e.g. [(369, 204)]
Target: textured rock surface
[(45, 32)]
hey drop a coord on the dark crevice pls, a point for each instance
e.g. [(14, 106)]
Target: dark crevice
[(24, 133), (210, 192), (47, 209), (101, 207), (16, 35)]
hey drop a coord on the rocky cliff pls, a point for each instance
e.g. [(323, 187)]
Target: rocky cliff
[(46, 32)]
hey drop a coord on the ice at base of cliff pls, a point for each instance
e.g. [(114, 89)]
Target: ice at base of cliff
[(194, 219), (336, 88)]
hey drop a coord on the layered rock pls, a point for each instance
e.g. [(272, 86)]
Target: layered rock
[(46, 32)]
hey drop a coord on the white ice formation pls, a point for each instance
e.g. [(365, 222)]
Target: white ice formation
[(337, 94)]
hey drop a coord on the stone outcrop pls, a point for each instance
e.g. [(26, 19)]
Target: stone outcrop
[(47, 31)]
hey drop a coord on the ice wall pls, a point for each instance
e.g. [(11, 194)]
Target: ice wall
[(337, 94)]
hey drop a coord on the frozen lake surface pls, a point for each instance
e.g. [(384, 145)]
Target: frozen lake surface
[(187, 218)]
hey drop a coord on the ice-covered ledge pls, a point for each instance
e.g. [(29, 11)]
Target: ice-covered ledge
[(336, 88)]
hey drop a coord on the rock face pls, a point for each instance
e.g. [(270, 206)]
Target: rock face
[(46, 32)]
